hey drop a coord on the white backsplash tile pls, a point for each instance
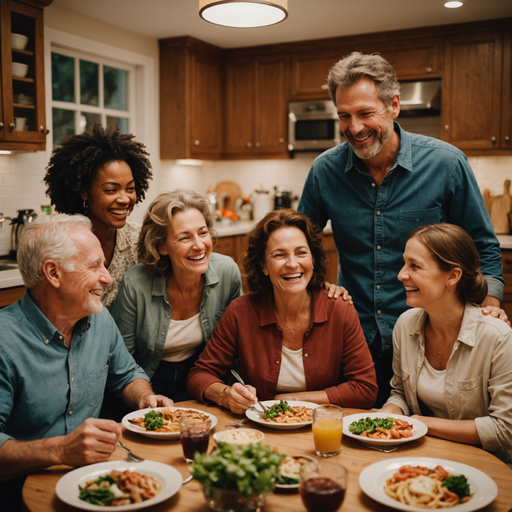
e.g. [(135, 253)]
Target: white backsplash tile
[(21, 176)]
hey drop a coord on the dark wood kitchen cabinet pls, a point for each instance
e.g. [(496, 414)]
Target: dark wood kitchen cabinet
[(9, 296), (472, 90), (411, 59), (256, 107), (22, 102), (506, 260), (506, 100), (191, 85)]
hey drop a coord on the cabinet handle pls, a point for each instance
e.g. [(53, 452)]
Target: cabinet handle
[(12, 126), (281, 140), (41, 129), (429, 69), (249, 145), (257, 144), (446, 127), (493, 139), (1, 126), (507, 138), (196, 143)]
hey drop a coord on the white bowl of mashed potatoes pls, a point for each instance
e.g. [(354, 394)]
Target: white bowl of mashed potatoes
[(240, 436)]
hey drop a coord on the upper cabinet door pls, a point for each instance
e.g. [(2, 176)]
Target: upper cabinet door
[(205, 130), (271, 107), (240, 107), (472, 85), (22, 68)]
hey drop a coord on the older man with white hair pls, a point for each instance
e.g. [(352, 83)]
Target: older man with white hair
[(59, 349)]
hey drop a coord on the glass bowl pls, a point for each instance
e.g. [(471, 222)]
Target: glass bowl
[(221, 500)]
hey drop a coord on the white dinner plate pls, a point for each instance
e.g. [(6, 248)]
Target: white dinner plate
[(419, 429), (67, 487), (373, 479), (295, 486), (159, 435), (254, 413)]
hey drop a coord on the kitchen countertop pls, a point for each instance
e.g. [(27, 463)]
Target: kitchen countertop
[(242, 227), (505, 241)]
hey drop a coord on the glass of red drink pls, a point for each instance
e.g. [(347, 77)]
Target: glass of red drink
[(195, 434), (323, 486)]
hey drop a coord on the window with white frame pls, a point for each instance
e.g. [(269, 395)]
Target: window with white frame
[(89, 89)]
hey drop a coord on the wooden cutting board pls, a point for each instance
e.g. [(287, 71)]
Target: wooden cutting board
[(501, 206), (227, 193)]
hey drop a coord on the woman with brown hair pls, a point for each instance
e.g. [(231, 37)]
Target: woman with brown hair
[(291, 341), (452, 365)]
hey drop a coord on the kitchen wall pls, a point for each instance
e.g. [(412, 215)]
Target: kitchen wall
[(21, 173)]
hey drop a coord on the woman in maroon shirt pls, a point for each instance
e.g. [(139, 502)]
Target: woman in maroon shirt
[(290, 340)]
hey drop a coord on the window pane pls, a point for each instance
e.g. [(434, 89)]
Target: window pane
[(63, 78), (115, 84), (87, 121), (89, 72), (120, 121), (63, 125)]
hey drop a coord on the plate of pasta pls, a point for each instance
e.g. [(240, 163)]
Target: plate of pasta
[(383, 429), (162, 422), (125, 485), (285, 415), (416, 483)]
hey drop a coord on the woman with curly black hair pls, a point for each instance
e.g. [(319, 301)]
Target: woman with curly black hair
[(103, 175)]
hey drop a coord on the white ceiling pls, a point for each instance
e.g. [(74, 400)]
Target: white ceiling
[(307, 19)]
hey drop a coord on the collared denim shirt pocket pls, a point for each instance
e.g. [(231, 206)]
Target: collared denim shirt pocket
[(413, 219), (96, 382), (469, 393)]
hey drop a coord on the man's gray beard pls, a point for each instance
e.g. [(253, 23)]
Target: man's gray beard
[(379, 143)]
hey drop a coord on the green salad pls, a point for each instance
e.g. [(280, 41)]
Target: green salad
[(247, 469), (358, 427), (273, 412), (99, 494), (457, 484), (153, 420)]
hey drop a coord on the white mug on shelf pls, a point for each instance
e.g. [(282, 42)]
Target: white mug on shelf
[(20, 123)]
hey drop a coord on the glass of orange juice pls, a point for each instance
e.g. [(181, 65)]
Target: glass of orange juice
[(327, 429)]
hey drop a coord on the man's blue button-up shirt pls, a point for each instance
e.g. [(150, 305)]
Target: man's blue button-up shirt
[(430, 182), (48, 389)]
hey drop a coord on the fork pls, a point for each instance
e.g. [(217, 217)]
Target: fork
[(238, 423), (385, 450), (239, 379), (131, 455)]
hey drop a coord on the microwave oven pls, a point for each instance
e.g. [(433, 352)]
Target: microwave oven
[(312, 125)]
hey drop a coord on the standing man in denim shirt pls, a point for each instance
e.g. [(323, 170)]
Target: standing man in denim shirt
[(58, 351), (378, 187)]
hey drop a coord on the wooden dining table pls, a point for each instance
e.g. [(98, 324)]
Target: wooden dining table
[(39, 490)]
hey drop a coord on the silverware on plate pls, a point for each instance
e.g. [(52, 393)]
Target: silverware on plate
[(131, 455), (385, 450), (239, 379)]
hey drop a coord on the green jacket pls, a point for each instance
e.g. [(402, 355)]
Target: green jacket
[(143, 313)]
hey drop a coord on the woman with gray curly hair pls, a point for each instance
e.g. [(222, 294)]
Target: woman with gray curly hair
[(169, 304)]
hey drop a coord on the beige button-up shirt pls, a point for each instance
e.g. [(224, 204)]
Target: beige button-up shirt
[(478, 379)]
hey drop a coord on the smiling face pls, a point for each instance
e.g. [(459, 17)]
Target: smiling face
[(288, 261), (111, 196), (189, 243), (425, 283), (81, 287), (364, 119)]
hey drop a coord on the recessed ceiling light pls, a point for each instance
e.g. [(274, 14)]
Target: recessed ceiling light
[(243, 13), (453, 5)]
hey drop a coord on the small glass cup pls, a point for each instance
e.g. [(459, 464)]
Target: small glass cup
[(322, 486), (195, 434), (327, 429)]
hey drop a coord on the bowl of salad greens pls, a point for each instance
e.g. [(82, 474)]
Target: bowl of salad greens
[(237, 478)]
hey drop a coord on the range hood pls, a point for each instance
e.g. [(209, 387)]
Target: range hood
[(420, 98)]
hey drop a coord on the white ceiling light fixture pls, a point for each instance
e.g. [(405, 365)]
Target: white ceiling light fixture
[(453, 5), (243, 13)]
